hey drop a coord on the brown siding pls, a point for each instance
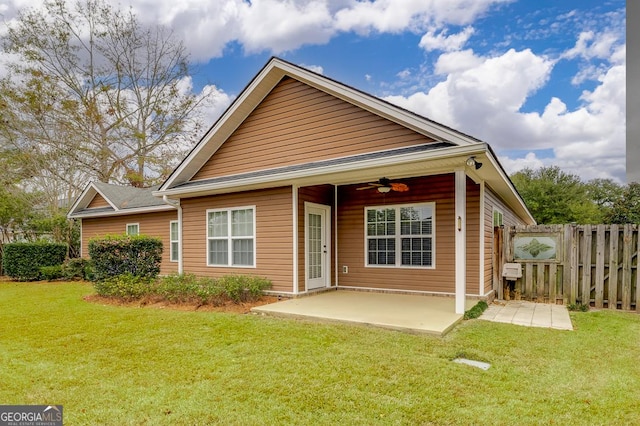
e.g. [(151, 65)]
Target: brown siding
[(438, 189), (473, 237), (97, 202), (274, 235), (296, 124), (153, 224), (321, 194), (492, 201)]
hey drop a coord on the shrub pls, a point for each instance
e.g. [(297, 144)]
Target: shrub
[(115, 255), (476, 311), (177, 288), (22, 261), (77, 269), (51, 273), (125, 286), (578, 307), (241, 288)]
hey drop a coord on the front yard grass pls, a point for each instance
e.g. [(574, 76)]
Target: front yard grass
[(118, 365)]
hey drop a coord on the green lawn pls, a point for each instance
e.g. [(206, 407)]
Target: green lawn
[(121, 365)]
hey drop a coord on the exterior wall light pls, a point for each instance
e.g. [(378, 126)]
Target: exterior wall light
[(472, 162)]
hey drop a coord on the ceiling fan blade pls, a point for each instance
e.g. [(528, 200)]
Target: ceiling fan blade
[(399, 187), (371, 186)]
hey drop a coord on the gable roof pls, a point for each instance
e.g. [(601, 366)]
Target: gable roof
[(264, 82), (121, 200)]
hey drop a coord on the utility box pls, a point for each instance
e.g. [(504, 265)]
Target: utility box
[(512, 271)]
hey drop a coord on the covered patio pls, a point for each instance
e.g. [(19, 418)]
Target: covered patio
[(405, 312)]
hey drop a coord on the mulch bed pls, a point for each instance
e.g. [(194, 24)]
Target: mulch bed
[(229, 306)]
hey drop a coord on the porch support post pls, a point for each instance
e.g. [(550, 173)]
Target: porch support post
[(460, 238), (294, 220)]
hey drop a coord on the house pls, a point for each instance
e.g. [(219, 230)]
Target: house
[(106, 209), (315, 184)]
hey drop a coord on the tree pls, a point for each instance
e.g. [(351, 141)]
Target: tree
[(555, 197), (626, 209), (93, 94)]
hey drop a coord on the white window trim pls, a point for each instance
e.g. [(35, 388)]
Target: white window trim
[(171, 241), (493, 215), (229, 238), (397, 236), (126, 228)]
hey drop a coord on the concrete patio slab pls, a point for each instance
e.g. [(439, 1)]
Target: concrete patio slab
[(414, 313), (530, 314)]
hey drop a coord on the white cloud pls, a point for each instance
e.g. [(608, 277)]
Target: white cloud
[(485, 96), (593, 45), (217, 103), (457, 62), (315, 68), (394, 16), (513, 165), (276, 26), (448, 43)]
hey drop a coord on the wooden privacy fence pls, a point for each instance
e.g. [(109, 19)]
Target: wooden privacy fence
[(564, 264)]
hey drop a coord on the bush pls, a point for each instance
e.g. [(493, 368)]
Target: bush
[(22, 261), (126, 286), (179, 288), (476, 311), (77, 269), (115, 255), (51, 273), (184, 288), (242, 288)]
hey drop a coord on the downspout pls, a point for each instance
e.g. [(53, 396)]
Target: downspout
[(177, 205)]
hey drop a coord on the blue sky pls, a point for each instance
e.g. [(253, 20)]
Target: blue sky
[(543, 82)]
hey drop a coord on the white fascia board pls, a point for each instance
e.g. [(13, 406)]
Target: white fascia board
[(121, 212), (332, 169), (250, 97), (84, 199), (79, 199), (514, 192)]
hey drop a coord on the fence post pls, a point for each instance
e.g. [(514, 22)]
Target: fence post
[(570, 264), (600, 240), (627, 240), (586, 264), (612, 297)]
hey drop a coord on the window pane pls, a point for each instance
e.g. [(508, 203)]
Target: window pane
[(381, 222), (382, 251), (417, 252), (242, 223), (174, 251), (416, 220), (132, 229), (218, 224), (218, 252), (243, 252), (174, 231)]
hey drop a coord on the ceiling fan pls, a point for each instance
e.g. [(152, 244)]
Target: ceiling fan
[(385, 185)]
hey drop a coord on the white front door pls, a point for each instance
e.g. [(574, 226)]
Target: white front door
[(317, 245)]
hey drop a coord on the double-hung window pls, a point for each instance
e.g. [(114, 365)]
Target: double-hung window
[(231, 237), (174, 240), (400, 236), (133, 229)]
